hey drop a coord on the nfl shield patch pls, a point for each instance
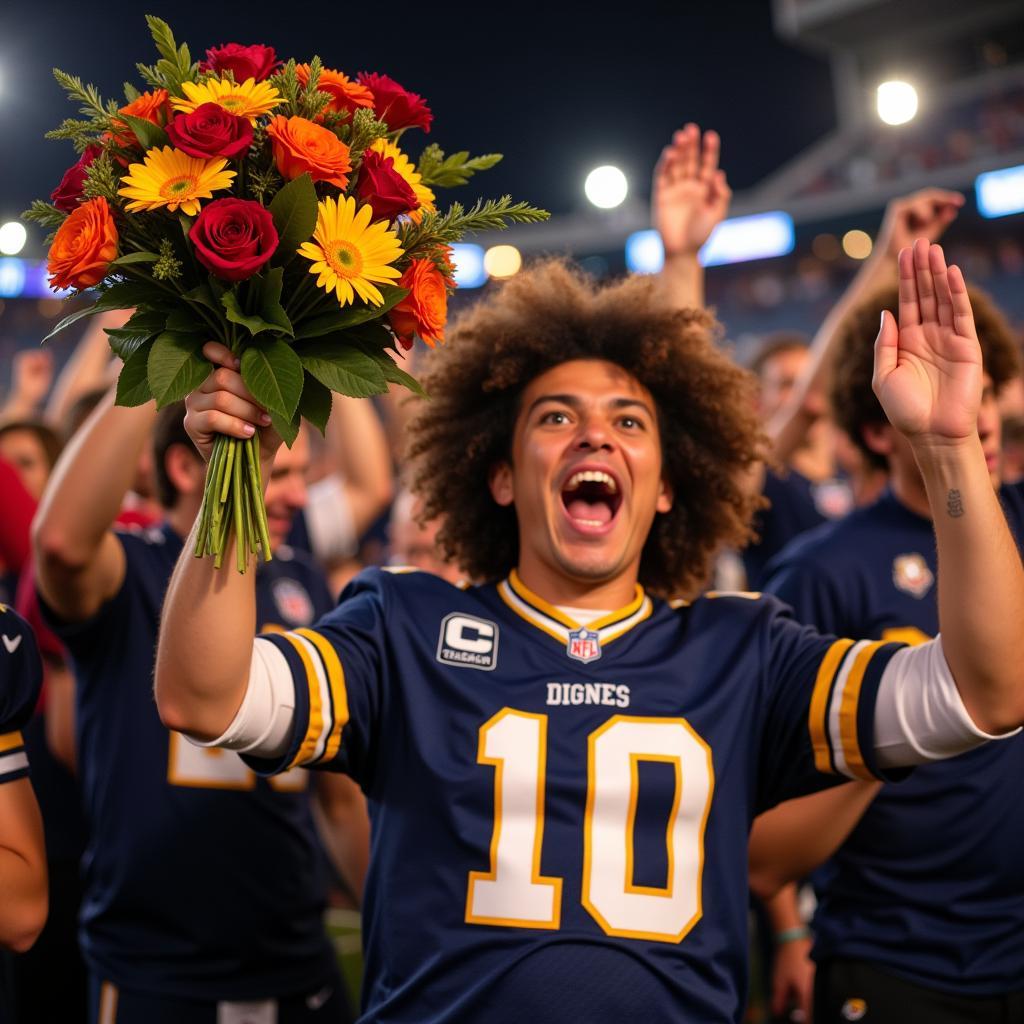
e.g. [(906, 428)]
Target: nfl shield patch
[(584, 645), (293, 602)]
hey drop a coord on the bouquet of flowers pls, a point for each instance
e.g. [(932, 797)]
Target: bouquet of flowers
[(267, 205)]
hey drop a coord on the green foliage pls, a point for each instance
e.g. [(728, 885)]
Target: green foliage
[(79, 133), (87, 95), (271, 283), (141, 327), (273, 373), (254, 323), (175, 65), (135, 257), (133, 382), (286, 83), (45, 214), (262, 182), (287, 428), (457, 169), (175, 366), (168, 266), (123, 295), (365, 130), (148, 134), (340, 318), (315, 403), (450, 226), (101, 179), (312, 102), (131, 94), (343, 367), (294, 210)]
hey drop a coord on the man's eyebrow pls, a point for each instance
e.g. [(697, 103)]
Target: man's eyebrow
[(574, 402)]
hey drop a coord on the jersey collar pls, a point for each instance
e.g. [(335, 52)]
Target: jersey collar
[(547, 618)]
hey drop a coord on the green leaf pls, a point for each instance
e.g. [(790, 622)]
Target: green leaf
[(287, 428), (149, 135), (175, 367), (457, 169), (140, 328), (123, 295), (350, 316), (394, 374), (133, 383), (202, 295), (315, 404), (343, 368), (294, 210), (254, 324), (135, 257), (271, 309), (273, 373)]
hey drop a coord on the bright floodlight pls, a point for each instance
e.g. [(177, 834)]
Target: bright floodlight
[(1000, 193), (12, 238), (469, 265), (606, 187), (502, 261), (897, 102)]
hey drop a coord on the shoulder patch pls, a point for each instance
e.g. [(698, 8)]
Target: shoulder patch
[(466, 641)]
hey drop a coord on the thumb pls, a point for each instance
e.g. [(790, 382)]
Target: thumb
[(886, 347)]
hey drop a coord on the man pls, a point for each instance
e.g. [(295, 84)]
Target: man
[(920, 911), (171, 928), (562, 769)]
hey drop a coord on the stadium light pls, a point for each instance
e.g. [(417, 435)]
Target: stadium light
[(13, 237), (1000, 193), (857, 244), (502, 261), (606, 187), (897, 102), (469, 265)]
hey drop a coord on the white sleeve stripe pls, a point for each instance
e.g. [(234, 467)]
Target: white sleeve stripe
[(326, 704), (835, 706), (10, 763), (919, 713)]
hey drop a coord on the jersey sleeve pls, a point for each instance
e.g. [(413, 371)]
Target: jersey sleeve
[(21, 676), (338, 668), (821, 709)]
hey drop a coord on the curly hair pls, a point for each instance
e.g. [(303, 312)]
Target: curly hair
[(552, 314), (853, 402)]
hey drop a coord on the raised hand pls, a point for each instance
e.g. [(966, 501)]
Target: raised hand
[(31, 377), (928, 371), (222, 404), (924, 214), (690, 195)]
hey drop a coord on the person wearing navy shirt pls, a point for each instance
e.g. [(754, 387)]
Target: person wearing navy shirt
[(921, 909), (562, 765), (172, 927)]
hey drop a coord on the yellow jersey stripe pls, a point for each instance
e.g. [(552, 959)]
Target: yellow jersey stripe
[(524, 593), (336, 681), (623, 613), (509, 596), (307, 748), (10, 741), (645, 613), (817, 718), (848, 711)]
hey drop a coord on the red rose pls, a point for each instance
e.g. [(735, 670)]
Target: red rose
[(396, 106), (210, 130), (244, 62), (386, 191), (233, 238), (68, 193)]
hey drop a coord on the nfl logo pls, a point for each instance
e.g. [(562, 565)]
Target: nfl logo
[(584, 645)]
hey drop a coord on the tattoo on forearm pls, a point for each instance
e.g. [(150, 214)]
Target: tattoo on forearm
[(954, 504)]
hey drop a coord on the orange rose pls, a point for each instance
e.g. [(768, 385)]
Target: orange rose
[(346, 96), (83, 248), (302, 147), (152, 106), (424, 311)]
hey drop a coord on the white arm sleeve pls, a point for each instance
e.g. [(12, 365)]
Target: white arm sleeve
[(263, 724), (332, 530), (919, 714)]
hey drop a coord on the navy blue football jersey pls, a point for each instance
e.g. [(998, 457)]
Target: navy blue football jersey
[(796, 505), (168, 907), (21, 676), (560, 813), (931, 882)]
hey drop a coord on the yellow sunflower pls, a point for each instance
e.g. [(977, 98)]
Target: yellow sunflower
[(349, 253), (250, 99), (404, 168), (170, 178)]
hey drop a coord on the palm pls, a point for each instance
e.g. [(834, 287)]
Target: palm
[(928, 374)]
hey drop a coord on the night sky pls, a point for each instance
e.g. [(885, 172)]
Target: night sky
[(556, 90)]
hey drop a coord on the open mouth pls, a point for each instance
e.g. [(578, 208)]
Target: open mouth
[(591, 497)]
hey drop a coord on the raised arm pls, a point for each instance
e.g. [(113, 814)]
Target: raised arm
[(924, 214), (31, 376), (689, 197), (209, 615), (79, 562), (928, 378)]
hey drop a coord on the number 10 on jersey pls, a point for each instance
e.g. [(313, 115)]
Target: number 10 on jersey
[(515, 894)]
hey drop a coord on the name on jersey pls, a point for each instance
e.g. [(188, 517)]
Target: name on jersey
[(468, 642), (611, 695)]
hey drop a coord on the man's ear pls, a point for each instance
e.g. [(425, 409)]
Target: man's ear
[(878, 437), (184, 469), (500, 480), (665, 497)]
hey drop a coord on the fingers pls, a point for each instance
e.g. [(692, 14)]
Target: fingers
[(909, 309), (925, 282), (220, 355), (689, 150), (963, 315), (943, 297), (886, 350), (709, 155)]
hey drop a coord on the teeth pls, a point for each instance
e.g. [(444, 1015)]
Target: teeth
[(592, 476)]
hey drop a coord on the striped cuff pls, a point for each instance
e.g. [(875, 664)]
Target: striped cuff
[(13, 759), (841, 718)]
